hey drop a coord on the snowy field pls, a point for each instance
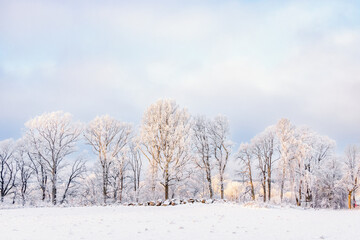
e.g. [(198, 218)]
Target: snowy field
[(197, 221)]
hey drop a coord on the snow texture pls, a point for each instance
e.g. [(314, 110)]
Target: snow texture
[(195, 221)]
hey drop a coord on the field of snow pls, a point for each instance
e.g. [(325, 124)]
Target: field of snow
[(197, 221)]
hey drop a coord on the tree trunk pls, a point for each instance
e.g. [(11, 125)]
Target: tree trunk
[(269, 187), (208, 177), (354, 198), (166, 186), (210, 189), (54, 190), (43, 189), (282, 185), (104, 184), (252, 190), (121, 188), (298, 200), (251, 182), (264, 189), (349, 199), (264, 184), (222, 186)]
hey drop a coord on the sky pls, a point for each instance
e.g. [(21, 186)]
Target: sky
[(252, 61)]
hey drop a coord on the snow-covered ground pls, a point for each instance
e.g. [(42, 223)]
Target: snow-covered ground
[(197, 221)]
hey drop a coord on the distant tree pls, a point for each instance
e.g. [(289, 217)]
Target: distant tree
[(166, 140), (246, 160), (135, 163), (53, 136), (77, 172), (264, 150), (221, 146), (108, 137), (352, 171), (329, 190), (24, 168), (39, 168), (7, 167), (285, 132), (203, 148)]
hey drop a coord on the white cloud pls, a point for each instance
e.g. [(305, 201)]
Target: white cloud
[(251, 61)]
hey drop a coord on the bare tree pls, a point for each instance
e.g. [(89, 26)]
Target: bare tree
[(39, 168), (24, 168), (108, 137), (166, 141), (78, 169), (352, 171), (246, 158), (135, 163), (202, 148), (285, 134), (7, 167), (118, 173), (221, 146), (264, 149), (54, 137)]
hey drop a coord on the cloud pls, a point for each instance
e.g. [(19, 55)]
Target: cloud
[(252, 61)]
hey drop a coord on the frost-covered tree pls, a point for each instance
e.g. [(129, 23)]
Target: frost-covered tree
[(285, 132), (246, 160), (135, 163), (329, 191), (118, 173), (24, 168), (39, 168), (165, 138), (352, 171), (203, 148), (53, 136), (7, 167), (108, 137), (76, 173), (219, 132), (321, 151), (311, 151), (264, 150)]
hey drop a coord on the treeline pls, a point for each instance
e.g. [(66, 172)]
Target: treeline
[(172, 155)]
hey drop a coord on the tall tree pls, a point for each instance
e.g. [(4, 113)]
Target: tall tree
[(23, 165), (352, 171), (202, 148), (135, 163), (285, 132), (246, 159), (54, 137), (264, 150), (7, 167), (166, 140), (221, 146), (108, 137)]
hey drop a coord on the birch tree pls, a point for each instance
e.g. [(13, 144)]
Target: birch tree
[(108, 137), (165, 137)]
